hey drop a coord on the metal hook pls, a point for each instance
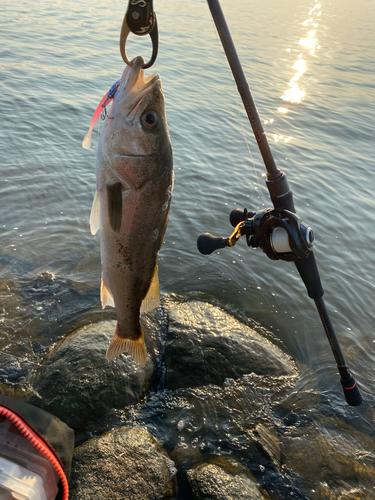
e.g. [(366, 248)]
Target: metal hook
[(105, 115), (140, 19)]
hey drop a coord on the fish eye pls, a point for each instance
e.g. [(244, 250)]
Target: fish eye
[(150, 120)]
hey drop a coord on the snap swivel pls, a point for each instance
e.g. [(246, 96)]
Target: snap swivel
[(140, 19)]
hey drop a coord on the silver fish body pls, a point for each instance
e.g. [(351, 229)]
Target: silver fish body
[(131, 206)]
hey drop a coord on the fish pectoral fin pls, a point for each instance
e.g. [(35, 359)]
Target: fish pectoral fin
[(152, 298), (95, 214), (114, 202), (136, 348), (106, 296)]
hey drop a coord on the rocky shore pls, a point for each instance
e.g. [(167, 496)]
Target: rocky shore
[(214, 414)]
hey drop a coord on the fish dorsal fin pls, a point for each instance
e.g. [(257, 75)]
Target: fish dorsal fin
[(114, 202), (136, 348), (152, 298), (106, 296), (95, 214)]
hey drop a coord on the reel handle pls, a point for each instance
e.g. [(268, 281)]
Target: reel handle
[(237, 215), (207, 243)]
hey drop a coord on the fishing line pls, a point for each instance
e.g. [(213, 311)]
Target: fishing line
[(220, 50), (251, 156)]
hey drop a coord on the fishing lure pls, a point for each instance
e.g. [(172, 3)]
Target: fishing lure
[(86, 143)]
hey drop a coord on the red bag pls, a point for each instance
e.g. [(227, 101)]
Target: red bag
[(36, 451)]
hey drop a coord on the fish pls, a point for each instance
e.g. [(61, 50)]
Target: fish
[(134, 183)]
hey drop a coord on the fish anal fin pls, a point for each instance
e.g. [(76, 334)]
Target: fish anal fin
[(95, 214), (152, 298), (136, 348), (106, 296), (114, 202)]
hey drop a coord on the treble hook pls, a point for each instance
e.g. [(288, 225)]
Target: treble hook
[(140, 19)]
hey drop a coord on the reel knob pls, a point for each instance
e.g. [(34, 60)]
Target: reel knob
[(207, 243)]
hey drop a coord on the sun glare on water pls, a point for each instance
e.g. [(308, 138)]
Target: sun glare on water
[(294, 93)]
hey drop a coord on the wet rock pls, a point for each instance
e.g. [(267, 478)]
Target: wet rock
[(37, 308), (10, 297), (212, 482), (57, 300), (89, 262), (76, 383), (337, 460), (267, 438), (127, 463), (213, 419), (205, 346), (17, 324), (86, 274)]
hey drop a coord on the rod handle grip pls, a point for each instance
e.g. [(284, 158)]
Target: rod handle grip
[(351, 392), (207, 243)]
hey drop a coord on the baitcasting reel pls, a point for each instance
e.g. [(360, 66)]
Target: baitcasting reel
[(281, 234)]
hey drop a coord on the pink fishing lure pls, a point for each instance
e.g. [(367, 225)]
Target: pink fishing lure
[(86, 143)]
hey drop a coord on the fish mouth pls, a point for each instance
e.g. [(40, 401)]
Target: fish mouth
[(134, 86)]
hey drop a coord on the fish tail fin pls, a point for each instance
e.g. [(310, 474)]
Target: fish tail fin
[(136, 348)]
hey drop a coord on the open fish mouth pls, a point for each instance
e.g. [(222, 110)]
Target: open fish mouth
[(134, 86)]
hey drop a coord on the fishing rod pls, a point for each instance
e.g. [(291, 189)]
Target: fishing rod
[(279, 232)]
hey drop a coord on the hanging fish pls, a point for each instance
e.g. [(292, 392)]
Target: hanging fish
[(131, 204)]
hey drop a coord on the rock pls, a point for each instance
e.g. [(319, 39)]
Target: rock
[(212, 482), (76, 383), (16, 321), (126, 463), (205, 346), (213, 419), (337, 460), (267, 438), (90, 261)]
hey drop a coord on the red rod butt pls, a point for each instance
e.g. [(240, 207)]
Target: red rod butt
[(352, 395)]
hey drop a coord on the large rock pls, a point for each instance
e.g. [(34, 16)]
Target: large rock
[(127, 463), (76, 383), (337, 460), (205, 346), (212, 482)]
